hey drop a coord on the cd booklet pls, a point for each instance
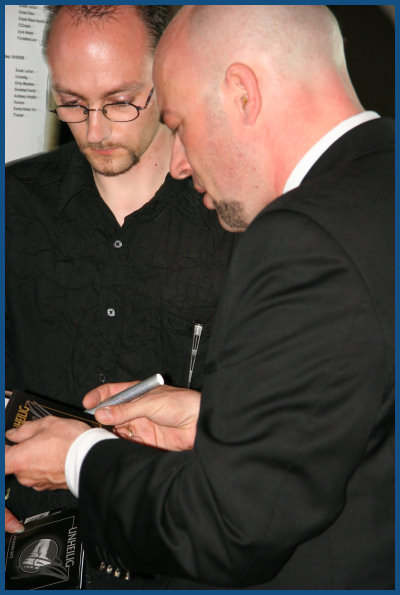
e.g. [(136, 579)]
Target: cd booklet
[(47, 555)]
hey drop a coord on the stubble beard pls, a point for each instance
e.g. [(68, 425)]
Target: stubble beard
[(109, 165), (231, 214)]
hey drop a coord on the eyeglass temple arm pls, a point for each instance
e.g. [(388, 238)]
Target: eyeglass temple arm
[(147, 102)]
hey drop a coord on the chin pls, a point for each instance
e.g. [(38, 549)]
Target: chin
[(232, 228), (112, 167)]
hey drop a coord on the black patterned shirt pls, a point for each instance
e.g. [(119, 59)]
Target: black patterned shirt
[(89, 301)]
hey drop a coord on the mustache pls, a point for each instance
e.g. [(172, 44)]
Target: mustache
[(102, 146)]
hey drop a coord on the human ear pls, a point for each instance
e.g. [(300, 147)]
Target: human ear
[(242, 86)]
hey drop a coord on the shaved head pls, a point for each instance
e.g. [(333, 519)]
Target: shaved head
[(297, 40), (268, 81)]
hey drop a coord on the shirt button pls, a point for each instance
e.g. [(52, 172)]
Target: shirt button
[(102, 377), (111, 312), (117, 244)]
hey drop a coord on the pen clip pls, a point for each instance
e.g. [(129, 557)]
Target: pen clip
[(197, 330)]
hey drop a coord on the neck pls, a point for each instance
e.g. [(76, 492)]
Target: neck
[(304, 140), (303, 111), (129, 191)]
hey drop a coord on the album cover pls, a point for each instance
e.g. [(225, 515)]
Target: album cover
[(22, 407), (47, 555)]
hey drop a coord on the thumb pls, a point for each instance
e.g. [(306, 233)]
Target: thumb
[(12, 524), (27, 430), (119, 414), (113, 415), (106, 416)]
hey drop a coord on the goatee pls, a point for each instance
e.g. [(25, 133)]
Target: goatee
[(108, 165), (231, 213)]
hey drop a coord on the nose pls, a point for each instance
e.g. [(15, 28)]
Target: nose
[(98, 128), (179, 166)]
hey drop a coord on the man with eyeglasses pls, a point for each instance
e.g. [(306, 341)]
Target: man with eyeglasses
[(111, 263)]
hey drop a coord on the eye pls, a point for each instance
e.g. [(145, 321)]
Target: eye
[(121, 107), (120, 103), (121, 99), (68, 101)]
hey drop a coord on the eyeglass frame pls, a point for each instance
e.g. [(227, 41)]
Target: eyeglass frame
[(86, 109)]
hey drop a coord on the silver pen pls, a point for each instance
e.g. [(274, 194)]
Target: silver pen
[(131, 393), (197, 330)]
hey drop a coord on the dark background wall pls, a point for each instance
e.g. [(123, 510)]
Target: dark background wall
[(368, 31)]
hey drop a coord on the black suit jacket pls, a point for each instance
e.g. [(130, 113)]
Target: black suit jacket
[(290, 484)]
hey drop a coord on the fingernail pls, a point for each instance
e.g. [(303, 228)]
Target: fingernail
[(104, 415), (15, 527)]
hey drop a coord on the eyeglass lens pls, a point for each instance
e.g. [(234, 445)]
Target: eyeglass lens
[(118, 112)]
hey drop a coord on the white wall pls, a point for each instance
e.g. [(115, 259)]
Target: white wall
[(26, 131)]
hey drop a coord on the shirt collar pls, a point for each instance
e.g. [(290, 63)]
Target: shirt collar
[(308, 160)]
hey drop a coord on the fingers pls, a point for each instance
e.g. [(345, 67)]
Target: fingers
[(13, 460), (12, 524), (95, 396), (9, 461), (119, 414), (165, 405), (28, 429), (37, 458), (103, 392), (129, 432)]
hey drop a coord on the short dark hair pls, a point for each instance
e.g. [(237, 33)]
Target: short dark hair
[(155, 18)]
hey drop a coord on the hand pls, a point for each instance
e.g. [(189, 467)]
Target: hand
[(165, 418), (37, 458), (12, 524)]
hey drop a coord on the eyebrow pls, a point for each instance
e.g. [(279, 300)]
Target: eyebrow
[(134, 87)]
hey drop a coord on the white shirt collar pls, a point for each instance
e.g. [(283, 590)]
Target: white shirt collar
[(308, 160)]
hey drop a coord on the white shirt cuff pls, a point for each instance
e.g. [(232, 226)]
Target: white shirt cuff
[(78, 451)]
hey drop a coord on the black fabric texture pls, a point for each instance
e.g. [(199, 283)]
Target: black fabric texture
[(290, 483), (89, 301)]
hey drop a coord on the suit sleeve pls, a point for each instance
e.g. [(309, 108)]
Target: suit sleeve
[(296, 370)]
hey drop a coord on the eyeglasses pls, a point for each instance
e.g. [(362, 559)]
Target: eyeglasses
[(123, 111)]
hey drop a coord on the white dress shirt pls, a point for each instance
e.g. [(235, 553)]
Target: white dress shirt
[(312, 156), (78, 451)]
